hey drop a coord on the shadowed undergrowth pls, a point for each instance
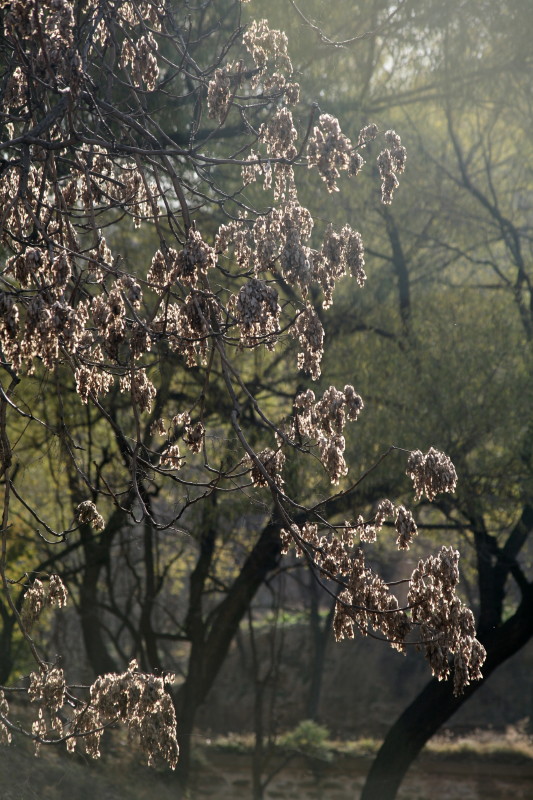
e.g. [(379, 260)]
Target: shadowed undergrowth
[(59, 776)]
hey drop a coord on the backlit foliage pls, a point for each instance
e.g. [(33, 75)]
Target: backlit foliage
[(84, 149)]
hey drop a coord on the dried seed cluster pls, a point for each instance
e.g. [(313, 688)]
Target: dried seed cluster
[(431, 473), (143, 60), (342, 253), (38, 596), (324, 422), (391, 162), (142, 389), (138, 700), (330, 151), (5, 733), (257, 312), (87, 513), (270, 462), (34, 602), (446, 624), (194, 436), (279, 135), (268, 48), (310, 334), (219, 94), (48, 688)]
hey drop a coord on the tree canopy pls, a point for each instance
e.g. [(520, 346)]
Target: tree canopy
[(163, 312)]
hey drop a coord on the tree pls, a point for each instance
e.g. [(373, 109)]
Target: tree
[(494, 507), (138, 377), (449, 275), (453, 262)]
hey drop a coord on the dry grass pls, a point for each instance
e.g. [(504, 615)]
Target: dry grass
[(500, 745), (513, 743)]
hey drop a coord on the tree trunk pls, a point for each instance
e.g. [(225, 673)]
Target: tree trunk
[(436, 704), (207, 656), (98, 654), (321, 635), (6, 642)]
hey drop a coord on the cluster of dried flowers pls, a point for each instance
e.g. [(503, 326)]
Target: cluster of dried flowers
[(446, 624), (330, 151), (141, 702), (37, 597), (257, 311), (77, 161), (434, 616), (431, 473), (137, 699), (391, 162), (324, 422)]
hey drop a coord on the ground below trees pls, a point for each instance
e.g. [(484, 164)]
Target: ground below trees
[(221, 775)]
